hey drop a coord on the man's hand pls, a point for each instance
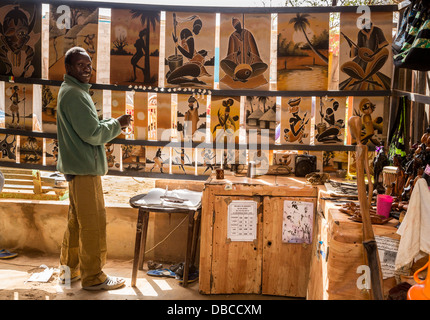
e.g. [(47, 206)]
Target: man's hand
[(124, 120)]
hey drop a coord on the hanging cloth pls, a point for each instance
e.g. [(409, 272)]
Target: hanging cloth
[(397, 143), (415, 36)]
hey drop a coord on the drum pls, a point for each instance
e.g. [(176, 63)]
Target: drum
[(389, 176)]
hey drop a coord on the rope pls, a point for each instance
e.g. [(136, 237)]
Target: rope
[(165, 238)]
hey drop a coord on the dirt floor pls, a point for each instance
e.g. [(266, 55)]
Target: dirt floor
[(118, 190), (15, 273)]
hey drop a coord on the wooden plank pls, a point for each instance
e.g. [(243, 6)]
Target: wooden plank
[(285, 265), (338, 280), (206, 240), (236, 265)]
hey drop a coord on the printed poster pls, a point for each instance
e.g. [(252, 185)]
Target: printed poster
[(242, 220), (297, 225)]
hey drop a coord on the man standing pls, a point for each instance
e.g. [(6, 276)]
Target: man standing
[(82, 159)]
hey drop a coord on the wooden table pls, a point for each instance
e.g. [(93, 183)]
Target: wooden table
[(142, 231)]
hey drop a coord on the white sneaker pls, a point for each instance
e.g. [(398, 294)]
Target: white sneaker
[(109, 284)]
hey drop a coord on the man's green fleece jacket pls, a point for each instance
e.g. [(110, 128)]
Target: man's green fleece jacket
[(81, 135)]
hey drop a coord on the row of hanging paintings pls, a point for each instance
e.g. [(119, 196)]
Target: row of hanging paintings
[(168, 160), (152, 159), (189, 117), (189, 47)]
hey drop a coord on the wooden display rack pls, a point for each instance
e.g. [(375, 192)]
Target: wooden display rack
[(30, 184)]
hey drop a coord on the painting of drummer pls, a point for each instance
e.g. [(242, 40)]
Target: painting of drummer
[(369, 54)]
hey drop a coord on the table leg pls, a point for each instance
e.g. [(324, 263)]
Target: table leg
[(188, 251), (143, 240), (137, 245), (196, 231)]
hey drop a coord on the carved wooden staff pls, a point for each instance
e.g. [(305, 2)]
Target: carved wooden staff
[(369, 242)]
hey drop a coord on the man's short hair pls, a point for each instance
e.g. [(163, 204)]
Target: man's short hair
[(71, 52)]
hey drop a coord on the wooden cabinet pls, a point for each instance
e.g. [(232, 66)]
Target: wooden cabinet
[(265, 265)]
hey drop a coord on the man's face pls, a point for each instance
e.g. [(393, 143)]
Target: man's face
[(80, 67)]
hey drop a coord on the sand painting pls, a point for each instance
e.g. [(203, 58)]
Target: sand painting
[(51, 152), (19, 106), (244, 51), (31, 150), (330, 120), (183, 161), (135, 47), (190, 49), (157, 159), (225, 113), (69, 27), (260, 116), (49, 108), (8, 147), (295, 120), (113, 156), (133, 157), (191, 117), (20, 32), (205, 161), (140, 124), (303, 45), (365, 61), (164, 116), (371, 111)]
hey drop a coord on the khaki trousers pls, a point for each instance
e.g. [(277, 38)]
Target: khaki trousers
[(84, 244)]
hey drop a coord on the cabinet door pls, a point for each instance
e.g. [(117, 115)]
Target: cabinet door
[(236, 265), (285, 265)]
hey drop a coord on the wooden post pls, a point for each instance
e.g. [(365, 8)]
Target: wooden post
[(369, 242)]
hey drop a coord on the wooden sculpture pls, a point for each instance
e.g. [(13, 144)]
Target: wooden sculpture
[(369, 242)]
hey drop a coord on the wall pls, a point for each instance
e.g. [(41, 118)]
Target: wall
[(35, 225)]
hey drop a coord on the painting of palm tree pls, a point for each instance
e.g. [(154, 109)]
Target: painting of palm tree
[(303, 49), (149, 19), (300, 23), (135, 47)]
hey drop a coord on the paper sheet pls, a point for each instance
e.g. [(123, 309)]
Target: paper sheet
[(297, 223), (387, 250), (192, 199), (242, 220)]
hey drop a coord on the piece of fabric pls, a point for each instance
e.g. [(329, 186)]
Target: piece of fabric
[(81, 135), (416, 43), (84, 245), (415, 227)]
